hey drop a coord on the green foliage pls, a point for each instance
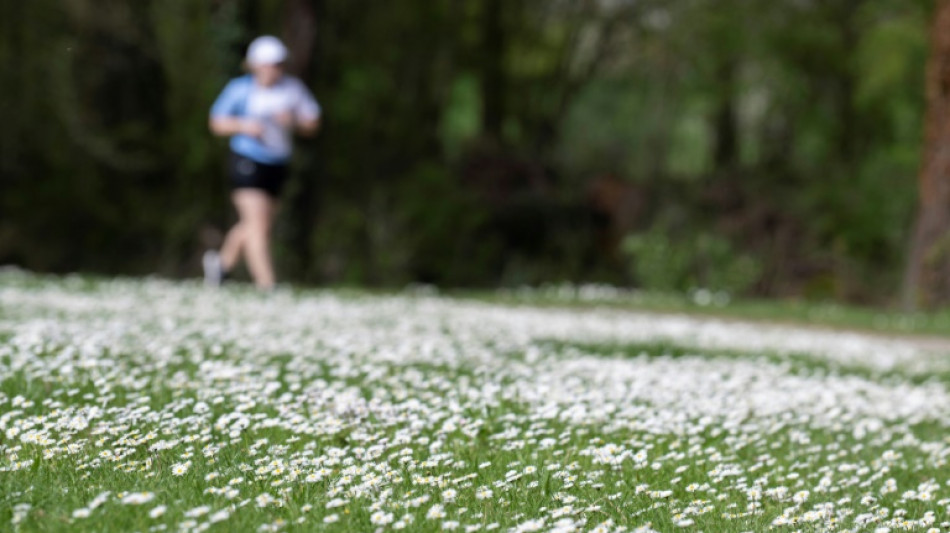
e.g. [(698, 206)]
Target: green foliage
[(704, 260), (461, 139), (460, 121)]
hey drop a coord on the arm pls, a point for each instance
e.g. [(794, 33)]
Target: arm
[(303, 126), (226, 119), (306, 113), (226, 126), (308, 127)]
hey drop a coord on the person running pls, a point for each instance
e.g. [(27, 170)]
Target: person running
[(260, 112)]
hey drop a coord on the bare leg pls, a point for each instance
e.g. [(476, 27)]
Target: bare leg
[(256, 211), (232, 247)]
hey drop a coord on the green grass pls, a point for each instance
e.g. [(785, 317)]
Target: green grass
[(56, 487), (388, 433)]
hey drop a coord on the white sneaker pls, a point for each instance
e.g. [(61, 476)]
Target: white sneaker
[(211, 263)]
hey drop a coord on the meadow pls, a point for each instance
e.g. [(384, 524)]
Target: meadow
[(150, 405)]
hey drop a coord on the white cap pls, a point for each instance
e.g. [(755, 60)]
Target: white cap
[(266, 50)]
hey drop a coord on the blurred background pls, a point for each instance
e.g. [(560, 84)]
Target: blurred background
[(760, 148)]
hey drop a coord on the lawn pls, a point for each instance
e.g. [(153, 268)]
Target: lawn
[(149, 405)]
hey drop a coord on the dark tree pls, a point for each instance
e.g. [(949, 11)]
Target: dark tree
[(928, 273)]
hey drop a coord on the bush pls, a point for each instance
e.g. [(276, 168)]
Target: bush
[(661, 262)]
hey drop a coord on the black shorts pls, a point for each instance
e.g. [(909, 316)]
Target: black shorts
[(245, 173)]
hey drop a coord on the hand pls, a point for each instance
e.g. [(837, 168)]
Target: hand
[(252, 128), (284, 119)]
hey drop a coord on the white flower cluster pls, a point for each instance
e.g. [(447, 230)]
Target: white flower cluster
[(166, 406)]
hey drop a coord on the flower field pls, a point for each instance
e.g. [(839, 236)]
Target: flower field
[(147, 405)]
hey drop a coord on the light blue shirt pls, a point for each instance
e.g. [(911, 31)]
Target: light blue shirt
[(242, 97)]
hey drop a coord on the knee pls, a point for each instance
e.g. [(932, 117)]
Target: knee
[(257, 232)]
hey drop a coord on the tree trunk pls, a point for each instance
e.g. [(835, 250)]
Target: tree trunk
[(927, 280), (301, 19), (726, 151), (300, 32)]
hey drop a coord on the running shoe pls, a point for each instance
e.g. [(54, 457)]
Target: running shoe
[(211, 262)]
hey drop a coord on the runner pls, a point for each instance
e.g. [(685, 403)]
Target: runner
[(260, 112)]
